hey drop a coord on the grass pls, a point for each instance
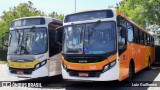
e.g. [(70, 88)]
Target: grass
[(3, 62)]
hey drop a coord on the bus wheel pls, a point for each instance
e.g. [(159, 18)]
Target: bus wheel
[(149, 64), (131, 72)]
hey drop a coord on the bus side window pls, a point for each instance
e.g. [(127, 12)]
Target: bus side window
[(152, 41), (149, 43), (141, 37), (130, 32), (136, 35), (121, 37), (145, 39), (60, 35)]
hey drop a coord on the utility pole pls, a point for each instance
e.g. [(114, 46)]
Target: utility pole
[(75, 6)]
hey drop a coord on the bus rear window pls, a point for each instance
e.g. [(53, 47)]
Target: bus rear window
[(90, 15), (28, 22)]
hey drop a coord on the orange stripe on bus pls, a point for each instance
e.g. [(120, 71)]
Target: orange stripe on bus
[(88, 66)]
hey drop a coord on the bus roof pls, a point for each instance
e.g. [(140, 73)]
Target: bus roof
[(54, 20), (91, 10), (118, 13)]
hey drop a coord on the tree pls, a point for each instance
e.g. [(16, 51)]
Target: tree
[(56, 15), (22, 10), (142, 11)]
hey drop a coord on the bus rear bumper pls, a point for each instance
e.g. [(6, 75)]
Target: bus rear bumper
[(110, 75)]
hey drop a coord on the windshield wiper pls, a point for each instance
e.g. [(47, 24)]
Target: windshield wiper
[(26, 51), (94, 28), (19, 41), (33, 29), (76, 28), (25, 45), (19, 36)]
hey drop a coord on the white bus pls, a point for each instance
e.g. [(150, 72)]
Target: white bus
[(32, 50)]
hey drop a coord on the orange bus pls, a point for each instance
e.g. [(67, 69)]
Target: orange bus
[(104, 45)]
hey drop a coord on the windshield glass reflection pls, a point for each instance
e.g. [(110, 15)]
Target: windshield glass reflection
[(91, 38), (27, 41)]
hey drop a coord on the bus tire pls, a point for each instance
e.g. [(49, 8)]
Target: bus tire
[(149, 64), (131, 71)]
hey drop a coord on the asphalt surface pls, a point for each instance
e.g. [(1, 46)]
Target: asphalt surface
[(57, 83)]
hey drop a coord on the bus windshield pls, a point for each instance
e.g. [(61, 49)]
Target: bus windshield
[(28, 41), (90, 38)]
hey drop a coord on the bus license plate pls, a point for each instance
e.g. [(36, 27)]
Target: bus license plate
[(83, 74), (20, 72)]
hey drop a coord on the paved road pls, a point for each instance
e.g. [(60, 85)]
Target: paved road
[(60, 84)]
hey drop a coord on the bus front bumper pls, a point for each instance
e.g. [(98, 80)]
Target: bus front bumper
[(29, 73), (110, 75)]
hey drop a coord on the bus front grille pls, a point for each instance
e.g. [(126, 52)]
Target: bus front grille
[(83, 59)]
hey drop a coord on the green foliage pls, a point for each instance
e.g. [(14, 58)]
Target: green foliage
[(56, 15), (111, 6), (22, 10), (142, 11)]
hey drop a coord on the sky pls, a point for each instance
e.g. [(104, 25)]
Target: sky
[(59, 6)]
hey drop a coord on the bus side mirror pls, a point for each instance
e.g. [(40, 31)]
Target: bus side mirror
[(5, 39), (58, 35)]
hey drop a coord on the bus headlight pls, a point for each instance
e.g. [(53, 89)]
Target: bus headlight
[(64, 66), (109, 65), (113, 64), (37, 66), (43, 62), (106, 67)]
